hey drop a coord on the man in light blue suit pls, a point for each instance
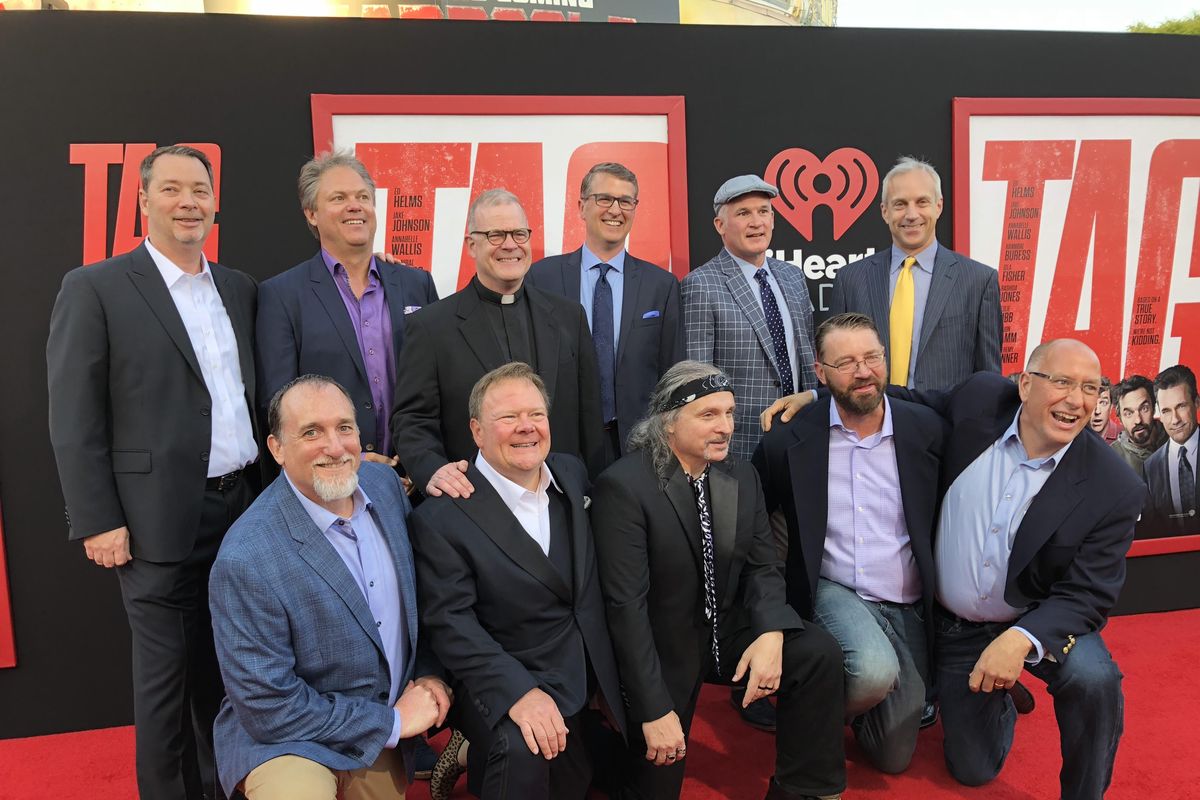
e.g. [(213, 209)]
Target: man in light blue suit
[(315, 618), (954, 328)]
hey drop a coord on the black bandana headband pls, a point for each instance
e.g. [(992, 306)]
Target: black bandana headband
[(695, 389)]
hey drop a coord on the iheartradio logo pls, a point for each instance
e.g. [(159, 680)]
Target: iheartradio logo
[(846, 181)]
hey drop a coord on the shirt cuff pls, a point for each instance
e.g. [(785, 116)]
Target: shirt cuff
[(815, 396), (1038, 653), (394, 739)]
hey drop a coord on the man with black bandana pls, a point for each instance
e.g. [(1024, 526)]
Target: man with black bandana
[(492, 321)]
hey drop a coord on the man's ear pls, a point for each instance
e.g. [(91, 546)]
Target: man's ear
[(276, 448)]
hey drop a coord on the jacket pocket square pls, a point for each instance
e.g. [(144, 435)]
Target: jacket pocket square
[(651, 314), (410, 309)]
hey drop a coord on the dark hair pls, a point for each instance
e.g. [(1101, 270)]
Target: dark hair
[(618, 171), (174, 150), (512, 371), (274, 412), (1178, 375), (1131, 384), (848, 321)]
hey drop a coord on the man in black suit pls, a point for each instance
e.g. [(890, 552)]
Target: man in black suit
[(632, 305), (860, 560), (151, 379), (511, 603), (342, 312), (695, 593), (1170, 471), (492, 321)]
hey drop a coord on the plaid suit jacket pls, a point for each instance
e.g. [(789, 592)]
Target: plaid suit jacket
[(724, 326)]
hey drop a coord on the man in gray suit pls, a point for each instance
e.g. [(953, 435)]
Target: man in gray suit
[(938, 312), (315, 618)]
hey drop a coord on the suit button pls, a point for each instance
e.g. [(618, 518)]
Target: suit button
[(205, 411), (778, 384), (204, 456), (383, 695), (370, 448), (367, 406)]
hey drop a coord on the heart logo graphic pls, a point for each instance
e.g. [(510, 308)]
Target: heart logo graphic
[(846, 181)]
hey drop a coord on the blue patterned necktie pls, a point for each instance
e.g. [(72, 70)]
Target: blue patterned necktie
[(700, 488), (775, 326), (603, 340), (1187, 484)]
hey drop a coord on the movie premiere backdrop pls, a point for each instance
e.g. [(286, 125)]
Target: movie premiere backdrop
[(1071, 162)]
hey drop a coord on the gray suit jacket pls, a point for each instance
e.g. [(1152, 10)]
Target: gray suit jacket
[(724, 326), (304, 667), (961, 330)]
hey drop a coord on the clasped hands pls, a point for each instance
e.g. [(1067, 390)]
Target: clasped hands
[(423, 704)]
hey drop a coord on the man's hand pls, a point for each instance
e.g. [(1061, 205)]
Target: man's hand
[(664, 739), (764, 657), (418, 710), (537, 715), (109, 549), (381, 459), (1001, 662), (442, 695), (788, 404), (451, 479)]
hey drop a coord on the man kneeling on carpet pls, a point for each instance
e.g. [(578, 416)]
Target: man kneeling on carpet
[(315, 617), (695, 594)]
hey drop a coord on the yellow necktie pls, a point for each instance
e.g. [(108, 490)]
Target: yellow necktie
[(901, 327)]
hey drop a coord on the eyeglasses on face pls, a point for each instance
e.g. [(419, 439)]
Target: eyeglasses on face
[(497, 237), (848, 365), (606, 201), (1066, 385)]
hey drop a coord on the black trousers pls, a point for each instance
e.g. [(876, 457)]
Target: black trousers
[(809, 753), (177, 687)]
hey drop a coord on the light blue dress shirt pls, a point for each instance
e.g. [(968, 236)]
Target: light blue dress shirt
[(979, 521), (785, 314), (922, 278), (367, 556), (588, 278)]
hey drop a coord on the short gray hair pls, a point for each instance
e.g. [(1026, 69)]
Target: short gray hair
[(650, 434), (490, 198), (905, 165), (174, 150), (275, 409), (310, 178), (512, 371)]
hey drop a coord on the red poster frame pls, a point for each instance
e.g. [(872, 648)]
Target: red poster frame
[(326, 106)]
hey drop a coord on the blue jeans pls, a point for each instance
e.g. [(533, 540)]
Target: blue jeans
[(1088, 704), (884, 647)]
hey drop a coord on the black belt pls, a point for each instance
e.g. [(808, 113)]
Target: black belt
[(223, 483)]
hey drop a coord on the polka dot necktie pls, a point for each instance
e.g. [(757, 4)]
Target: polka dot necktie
[(901, 328), (1187, 485), (775, 326)]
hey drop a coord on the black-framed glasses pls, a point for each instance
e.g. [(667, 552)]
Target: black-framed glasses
[(497, 237), (606, 201), (848, 365), (1066, 385)]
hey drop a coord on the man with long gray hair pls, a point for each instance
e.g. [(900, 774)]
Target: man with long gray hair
[(672, 519)]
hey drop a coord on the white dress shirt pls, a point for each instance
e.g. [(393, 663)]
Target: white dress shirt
[(532, 509)]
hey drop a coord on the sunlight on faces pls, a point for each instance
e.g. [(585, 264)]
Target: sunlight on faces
[(861, 391), (1177, 412), (702, 430), (1100, 415), (345, 212), (607, 228), (1137, 415), (911, 211), (1052, 418), (500, 267), (179, 204), (318, 446), (514, 432), (745, 226)]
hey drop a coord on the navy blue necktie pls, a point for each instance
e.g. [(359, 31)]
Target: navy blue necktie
[(775, 326), (603, 339)]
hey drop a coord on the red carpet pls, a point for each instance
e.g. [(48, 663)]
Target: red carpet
[(1158, 653)]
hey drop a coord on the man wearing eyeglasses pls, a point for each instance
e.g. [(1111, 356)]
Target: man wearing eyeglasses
[(632, 305), (860, 561), (494, 320)]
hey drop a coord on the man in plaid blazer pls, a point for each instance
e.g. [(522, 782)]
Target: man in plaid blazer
[(748, 315)]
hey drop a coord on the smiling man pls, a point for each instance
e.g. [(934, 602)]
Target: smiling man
[(1171, 471), (938, 312), (632, 305)]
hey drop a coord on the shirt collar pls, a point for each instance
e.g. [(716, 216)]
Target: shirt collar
[(167, 268), (495, 298), (511, 493), (1190, 445), (835, 420), (336, 267), (322, 517), (925, 258), (588, 259), (1013, 433), (749, 269)]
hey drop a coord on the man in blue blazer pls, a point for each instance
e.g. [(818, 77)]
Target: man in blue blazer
[(340, 313), (953, 320), (315, 618), (632, 308)]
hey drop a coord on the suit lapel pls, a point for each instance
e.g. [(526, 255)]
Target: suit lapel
[(878, 287), (569, 274), (941, 287), (489, 513), (330, 297), (679, 492), (629, 301), (1060, 495), (580, 540), (397, 300), (723, 490), (474, 329), (907, 448), (243, 330), (545, 336), (149, 283), (743, 296), (808, 466)]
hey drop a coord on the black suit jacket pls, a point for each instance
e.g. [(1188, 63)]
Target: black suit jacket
[(303, 328), (1068, 556), (793, 461), (449, 346), (498, 615), (647, 346), (130, 415), (1160, 518), (648, 545)]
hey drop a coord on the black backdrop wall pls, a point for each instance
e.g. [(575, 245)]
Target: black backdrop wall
[(245, 82)]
